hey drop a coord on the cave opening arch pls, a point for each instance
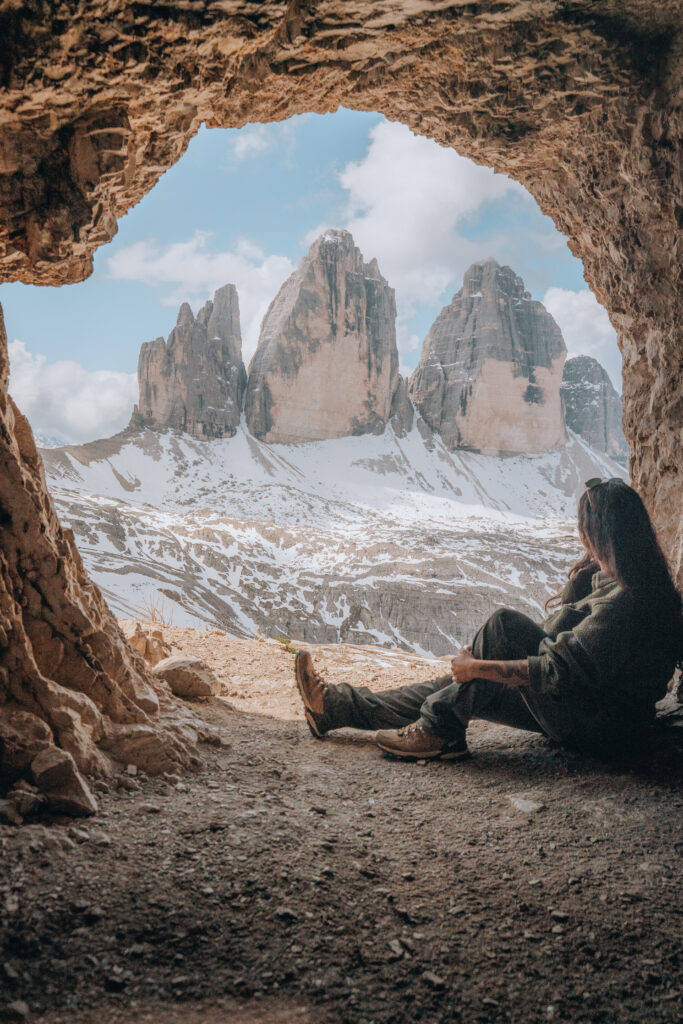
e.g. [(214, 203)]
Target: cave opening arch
[(579, 102)]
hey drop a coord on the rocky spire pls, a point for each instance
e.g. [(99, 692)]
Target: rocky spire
[(195, 381), (491, 366), (326, 363), (593, 406)]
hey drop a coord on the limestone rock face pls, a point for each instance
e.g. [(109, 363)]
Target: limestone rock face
[(326, 363), (491, 367), (402, 409), (195, 381), (593, 406)]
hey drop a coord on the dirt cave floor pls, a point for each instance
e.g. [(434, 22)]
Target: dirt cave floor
[(294, 880)]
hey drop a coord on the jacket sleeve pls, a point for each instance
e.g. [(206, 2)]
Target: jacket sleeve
[(587, 657)]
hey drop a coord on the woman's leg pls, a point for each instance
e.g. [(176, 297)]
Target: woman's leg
[(392, 709), (444, 707), (506, 635)]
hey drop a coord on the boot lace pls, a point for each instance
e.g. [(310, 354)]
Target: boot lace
[(408, 730)]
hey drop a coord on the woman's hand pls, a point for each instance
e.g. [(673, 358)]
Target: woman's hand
[(464, 666)]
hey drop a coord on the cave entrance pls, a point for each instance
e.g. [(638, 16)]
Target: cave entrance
[(578, 104), (239, 211)]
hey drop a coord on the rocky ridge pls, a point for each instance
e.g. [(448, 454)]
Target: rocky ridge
[(593, 407), (491, 367), (326, 364), (386, 539), (195, 381)]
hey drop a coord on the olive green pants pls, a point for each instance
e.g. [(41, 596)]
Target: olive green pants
[(446, 708)]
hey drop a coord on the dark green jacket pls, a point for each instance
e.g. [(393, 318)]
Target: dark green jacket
[(601, 658)]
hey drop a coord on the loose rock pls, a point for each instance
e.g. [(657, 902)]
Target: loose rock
[(188, 677)]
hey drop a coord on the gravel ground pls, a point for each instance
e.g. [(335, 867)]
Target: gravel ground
[(294, 880)]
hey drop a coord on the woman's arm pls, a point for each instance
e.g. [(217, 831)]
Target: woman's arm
[(464, 668)]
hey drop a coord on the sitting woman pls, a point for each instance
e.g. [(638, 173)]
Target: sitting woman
[(588, 678)]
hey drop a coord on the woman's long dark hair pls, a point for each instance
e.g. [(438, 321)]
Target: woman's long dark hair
[(615, 528)]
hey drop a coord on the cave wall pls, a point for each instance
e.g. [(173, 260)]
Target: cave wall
[(72, 692), (580, 101)]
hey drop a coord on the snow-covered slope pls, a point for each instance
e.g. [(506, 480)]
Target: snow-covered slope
[(368, 539)]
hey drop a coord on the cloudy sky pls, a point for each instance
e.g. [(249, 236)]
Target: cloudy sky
[(243, 206)]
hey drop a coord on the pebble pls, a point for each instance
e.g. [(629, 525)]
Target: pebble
[(18, 1010), (433, 979), (559, 915), (150, 808), (521, 803), (396, 948)]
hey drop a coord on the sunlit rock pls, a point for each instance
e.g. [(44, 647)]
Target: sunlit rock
[(195, 381), (491, 367), (326, 364)]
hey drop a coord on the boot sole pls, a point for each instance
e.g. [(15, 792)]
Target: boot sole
[(310, 718), (449, 755)]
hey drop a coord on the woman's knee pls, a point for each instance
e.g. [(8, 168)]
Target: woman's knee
[(507, 634)]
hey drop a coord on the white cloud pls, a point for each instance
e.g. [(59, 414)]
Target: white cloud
[(252, 140), (406, 198), (65, 400), (194, 272), (586, 328)]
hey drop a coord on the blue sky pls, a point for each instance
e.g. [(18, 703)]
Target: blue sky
[(243, 206)]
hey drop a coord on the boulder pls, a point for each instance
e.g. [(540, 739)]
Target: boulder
[(56, 775), (326, 364), (188, 677), (491, 367)]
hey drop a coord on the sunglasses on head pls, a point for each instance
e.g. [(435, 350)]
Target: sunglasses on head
[(595, 480)]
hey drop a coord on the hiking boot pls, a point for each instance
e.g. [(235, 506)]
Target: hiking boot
[(415, 743), (315, 693)]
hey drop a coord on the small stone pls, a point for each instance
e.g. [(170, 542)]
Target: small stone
[(150, 808), (396, 948), (115, 983), (322, 811), (93, 914), (9, 972), (559, 915), (131, 769), (56, 775), (79, 835), (557, 929), (521, 803), (286, 914), (16, 1011), (9, 815), (433, 979), (207, 890)]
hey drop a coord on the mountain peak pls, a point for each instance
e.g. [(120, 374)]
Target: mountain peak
[(491, 366), (326, 363), (185, 314), (195, 382), (593, 406)]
